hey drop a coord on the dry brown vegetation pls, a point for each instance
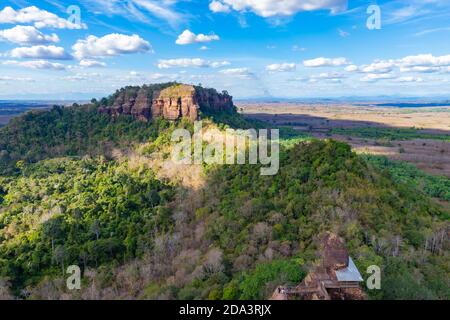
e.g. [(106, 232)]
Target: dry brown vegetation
[(4, 119), (432, 156), (429, 155), (434, 118)]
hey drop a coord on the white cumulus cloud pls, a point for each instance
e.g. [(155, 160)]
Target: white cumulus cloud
[(409, 79), (328, 76), (190, 63), (235, 71), (219, 7), (27, 35), (40, 52), (422, 69), (87, 63), (379, 66), (110, 45), (425, 60), (351, 68), (281, 67), (188, 37), (81, 77), (40, 18), (422, 63), (242, 73), (325, 62), (332, 77), (36, 64), (373, 77)]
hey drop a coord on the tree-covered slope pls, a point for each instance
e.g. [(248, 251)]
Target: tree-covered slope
[(85, 212), (239, 237), (434, 186), (322, 186), (70, 131)]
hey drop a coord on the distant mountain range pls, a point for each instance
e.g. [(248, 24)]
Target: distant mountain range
[(378, 101)]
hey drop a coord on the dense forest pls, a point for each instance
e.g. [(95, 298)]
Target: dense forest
[(81, 188), (432, 185), (69, 131)]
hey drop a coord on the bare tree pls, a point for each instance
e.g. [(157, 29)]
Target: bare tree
[(5, 293)]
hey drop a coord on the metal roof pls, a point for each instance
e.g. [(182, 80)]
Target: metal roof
[(349, 274)]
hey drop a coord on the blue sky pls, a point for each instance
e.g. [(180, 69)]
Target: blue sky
[(252, 48)]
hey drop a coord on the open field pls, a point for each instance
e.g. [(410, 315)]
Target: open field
[(420, 136), (431, 156), (349, 116), (5, 119)]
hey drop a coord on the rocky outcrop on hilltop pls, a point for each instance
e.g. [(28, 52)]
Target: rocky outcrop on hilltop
[(171, 101), (176, 102)]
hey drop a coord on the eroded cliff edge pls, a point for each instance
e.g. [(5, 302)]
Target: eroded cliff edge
[(169, 101)]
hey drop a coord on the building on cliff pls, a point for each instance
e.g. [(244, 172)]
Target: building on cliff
[(172, 102), (336, 278)]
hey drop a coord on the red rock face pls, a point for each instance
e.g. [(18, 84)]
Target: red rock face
[(157, 108), (172, 103), (141, 108)]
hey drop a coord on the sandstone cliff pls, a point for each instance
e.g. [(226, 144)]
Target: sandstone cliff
[(169, 101)]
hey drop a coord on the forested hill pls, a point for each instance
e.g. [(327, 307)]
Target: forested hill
[(90, 130), (72, 131), (79, 187)]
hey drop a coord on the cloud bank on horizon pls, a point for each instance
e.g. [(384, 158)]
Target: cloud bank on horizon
[(252, 48)]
